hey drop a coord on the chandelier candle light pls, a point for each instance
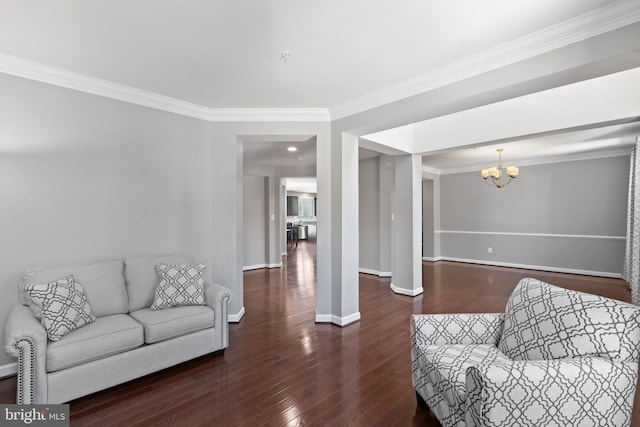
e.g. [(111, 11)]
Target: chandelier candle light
[(496, 173)]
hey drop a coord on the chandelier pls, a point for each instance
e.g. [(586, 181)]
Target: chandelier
[(495, 173)]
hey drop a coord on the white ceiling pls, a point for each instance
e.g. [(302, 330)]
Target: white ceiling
[(273, 150), (302, 185), (228, 54)]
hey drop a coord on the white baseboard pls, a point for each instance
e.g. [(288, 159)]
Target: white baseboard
[(336, 320), (258, 266), (408, 292), (8, 370), (235, 318), (323, 318), (536, 267), (431, 259), (375, 272)]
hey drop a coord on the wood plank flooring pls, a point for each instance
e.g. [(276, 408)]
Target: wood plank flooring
[(284, 369)]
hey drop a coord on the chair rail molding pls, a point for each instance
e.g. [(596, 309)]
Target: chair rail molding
[(509, 233)]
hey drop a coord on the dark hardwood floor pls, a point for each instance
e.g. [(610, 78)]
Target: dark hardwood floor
[(282, 368)]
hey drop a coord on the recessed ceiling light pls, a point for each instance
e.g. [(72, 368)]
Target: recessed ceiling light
[(292, 149)]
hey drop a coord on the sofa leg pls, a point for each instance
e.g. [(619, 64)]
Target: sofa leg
[(421, 403)]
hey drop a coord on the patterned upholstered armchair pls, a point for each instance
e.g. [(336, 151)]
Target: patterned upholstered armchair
[(555, 358)]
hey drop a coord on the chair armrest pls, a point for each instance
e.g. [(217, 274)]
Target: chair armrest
[(217, 298), (26, 340), (581, 391), (442, 329)]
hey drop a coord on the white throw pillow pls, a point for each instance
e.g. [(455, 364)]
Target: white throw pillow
[(63, 306), (179, 285)]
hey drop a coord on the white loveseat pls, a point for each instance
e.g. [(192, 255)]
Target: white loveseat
[(126, 341), (556, 357)]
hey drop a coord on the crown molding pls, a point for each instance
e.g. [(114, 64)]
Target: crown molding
[(431, 170), (269, 115), (37, 71), (608, 18)]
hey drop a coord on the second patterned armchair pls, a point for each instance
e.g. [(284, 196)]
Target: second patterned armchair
[(555, 358)]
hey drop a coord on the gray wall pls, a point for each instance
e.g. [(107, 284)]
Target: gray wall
[(428, 225), (255, 222), (369, 178), (86, 178), (568, 216)]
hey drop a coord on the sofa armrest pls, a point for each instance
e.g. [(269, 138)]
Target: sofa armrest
[(442, 329), (26, 340), (217, 298), (581, 391)]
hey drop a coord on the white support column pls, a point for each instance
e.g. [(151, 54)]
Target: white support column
[(350, 300), (386, 170), (406, 268), (338, 223)]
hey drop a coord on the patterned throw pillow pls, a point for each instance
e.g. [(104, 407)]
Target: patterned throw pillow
[(179, 285), (63, 306)]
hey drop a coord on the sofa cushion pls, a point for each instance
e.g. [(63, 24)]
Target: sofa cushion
[(160, 325), (103, 282), (105, 337), (545, 322), (142, 277), (446, 366), (180, 285), (62, 306)]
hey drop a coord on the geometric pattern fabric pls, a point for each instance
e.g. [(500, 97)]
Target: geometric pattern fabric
[(589, 391), (544, 322), (583, 371), (446, 366), (63, 306), (180, 285)]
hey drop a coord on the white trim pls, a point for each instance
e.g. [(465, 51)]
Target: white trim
[(408, 292), (430, 259), (37, 71), (336, 320), (254, 267), (269, 115), (258, 266), (235, 318), (608, 18), (536, 267), (433, 171), (563, 236), (375, 272), (323, 318), (8, 370), (60, 77)]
